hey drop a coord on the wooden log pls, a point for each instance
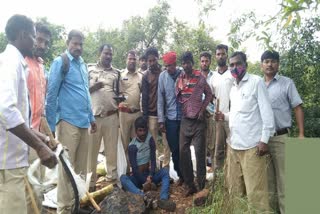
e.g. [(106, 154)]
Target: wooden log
[(93, 202), (97, 195)]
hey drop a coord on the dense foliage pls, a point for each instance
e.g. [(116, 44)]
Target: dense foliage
[(295, 36)]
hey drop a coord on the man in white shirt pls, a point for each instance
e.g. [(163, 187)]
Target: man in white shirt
[(251, 124), (205, 62), (15, 134), (221, 83)]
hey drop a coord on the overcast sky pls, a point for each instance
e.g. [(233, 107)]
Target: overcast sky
[(111, 13)]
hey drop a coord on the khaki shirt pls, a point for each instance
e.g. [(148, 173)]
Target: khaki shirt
[(130, 87), (102, 99)]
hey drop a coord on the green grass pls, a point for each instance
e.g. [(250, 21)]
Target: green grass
[(220, 202)]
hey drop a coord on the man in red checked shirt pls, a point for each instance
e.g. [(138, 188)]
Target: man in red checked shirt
[(189, 89)]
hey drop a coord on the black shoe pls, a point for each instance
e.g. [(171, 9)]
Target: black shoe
[(190, 190), (180, 182), (167, 205), (171, 181)]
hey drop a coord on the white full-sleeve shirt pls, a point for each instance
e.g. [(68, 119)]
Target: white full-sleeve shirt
[(251, 118), (221, 85), (14, 108)]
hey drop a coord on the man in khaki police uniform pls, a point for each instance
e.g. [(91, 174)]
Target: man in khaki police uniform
[(129, 110), (104, 80)]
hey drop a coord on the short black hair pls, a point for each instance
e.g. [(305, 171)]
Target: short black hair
[(143, 57), (140, 122), (40, 27), (75, 33), (187, 56), (152, 51), (132, 52), (205, 54), (242, 55), (16, 24), (108, 46), (222, 46), (270, 54)]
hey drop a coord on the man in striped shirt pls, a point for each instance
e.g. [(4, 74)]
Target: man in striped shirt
[(190, 86)]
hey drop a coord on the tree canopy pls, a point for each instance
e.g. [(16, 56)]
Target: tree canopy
[(294, 30)]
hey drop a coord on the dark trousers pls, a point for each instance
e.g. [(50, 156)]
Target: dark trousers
[(192, 130), (173, 131)]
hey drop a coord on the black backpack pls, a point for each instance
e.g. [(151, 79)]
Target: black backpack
[(65, 64)]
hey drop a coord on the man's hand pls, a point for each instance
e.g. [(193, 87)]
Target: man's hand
[(162, 128), (262, 149), (96, 86), (47, 157), (93, 127), (219, 116), (42, 137)]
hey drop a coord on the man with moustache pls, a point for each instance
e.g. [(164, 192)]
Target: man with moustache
[(16, 137), (221, 83), (129, 110), (143, 66), (205, 62), (284, 97), (150, 97), (36, 78), (190, 86), (251, 125), (169, 109), (142, 156), (37, 88), (104, 83), (68, 111)]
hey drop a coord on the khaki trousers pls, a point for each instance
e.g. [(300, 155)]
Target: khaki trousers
[(247, 174), (13, 194), (108, 130), (76, 140), (154, 129), (39, 174), (276, 170), (127, 130), (222, 132)]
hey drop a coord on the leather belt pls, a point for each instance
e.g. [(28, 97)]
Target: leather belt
[(281, 131), (128, 110), (109, 113)]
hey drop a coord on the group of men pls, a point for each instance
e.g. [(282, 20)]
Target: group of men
[(238, 118)]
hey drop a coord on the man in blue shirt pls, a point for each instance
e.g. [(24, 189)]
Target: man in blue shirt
[(169, 110), (69, 107)]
